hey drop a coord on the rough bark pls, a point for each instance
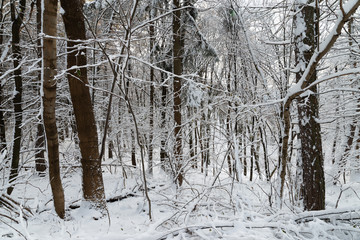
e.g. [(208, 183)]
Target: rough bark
[(92, 180), (17, 100), (312, 160)]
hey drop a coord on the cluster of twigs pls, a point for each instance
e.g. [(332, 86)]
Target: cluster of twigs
[(13, 211), (13, 208)]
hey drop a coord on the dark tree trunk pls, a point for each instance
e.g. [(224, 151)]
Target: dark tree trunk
[(40, 163), (92, 180), (178, 46), (308, 111), (266, 159), (163, 153), (2, 120), (110, 149), (133, 148), (17, 100)]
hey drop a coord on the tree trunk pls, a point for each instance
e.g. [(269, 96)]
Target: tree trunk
[(17, 100), (163, 153), (40, 163), (133, 148), (2, 120), (308, 69), (308, 110), (178, 46), (110, 149), (151, 115), (2, 126), (264, 146), (49, 97), (92, 181)]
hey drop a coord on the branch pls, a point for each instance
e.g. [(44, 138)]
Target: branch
[(348, 10), (339, 214)]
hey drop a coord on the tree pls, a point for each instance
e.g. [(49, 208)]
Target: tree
[(152, 88), (92, 181), (312, 160), (306, 84), (17, 20), (49, 97), (2, 120), (178, 49), (40, 162)]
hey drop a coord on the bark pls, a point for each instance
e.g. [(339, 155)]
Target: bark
[(17, 100), (312, 160), (92, 181), (49, 97), (178, 46)]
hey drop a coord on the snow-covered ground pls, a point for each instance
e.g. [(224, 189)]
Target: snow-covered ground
[(206, 207)]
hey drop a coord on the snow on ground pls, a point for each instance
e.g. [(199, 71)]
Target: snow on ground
[(203, 208)]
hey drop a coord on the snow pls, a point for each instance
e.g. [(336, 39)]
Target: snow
[(62, 11), (207, 206), (5, 52), (210, 208)]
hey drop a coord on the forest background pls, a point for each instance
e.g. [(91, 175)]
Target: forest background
[(192, 119)]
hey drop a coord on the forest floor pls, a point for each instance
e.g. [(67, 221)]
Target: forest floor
[(206, 207)]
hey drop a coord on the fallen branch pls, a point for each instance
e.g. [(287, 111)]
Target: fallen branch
[(9, 204), (328, 215), (110, 200)]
